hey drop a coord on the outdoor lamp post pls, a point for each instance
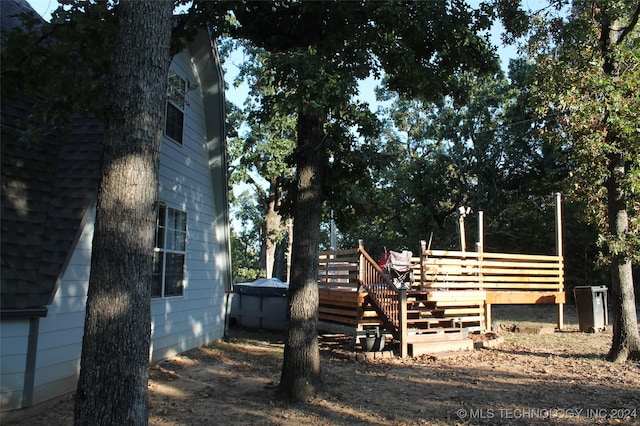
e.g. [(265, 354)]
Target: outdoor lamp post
[(462, 213)]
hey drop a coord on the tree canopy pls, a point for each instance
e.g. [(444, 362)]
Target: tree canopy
[(588, 81), (316, 54)]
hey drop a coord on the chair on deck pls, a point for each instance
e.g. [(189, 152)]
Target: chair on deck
[(397, 265)]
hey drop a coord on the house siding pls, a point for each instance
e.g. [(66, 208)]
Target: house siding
[(60, 332), (59, 340), (196, 317), (14, 337), (178, 323)]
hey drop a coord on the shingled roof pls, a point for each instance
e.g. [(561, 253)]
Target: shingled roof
[(48, 188), (10, 11)]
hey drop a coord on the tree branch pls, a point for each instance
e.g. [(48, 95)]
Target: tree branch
[(260, 192), (631, 26)]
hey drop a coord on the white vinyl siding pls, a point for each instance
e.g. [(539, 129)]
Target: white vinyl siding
[(60, 332), (178, 323), (185, 184), (14, 336)]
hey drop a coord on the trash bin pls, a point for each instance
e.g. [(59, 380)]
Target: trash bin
[(374, 341), (591, 304)]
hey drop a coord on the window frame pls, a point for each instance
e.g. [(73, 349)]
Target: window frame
[(170, 244), (177, 87)]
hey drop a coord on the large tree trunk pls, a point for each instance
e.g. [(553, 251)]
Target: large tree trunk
[(281, 268), (273, 227), (283, 252), (289, 247), (301, 365), (112, 389), (626, 340)]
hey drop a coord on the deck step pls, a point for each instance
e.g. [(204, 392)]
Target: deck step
[(421, 305), (420, 313), (436, 334), (431, 338), (422, 348), (432, 320), (436, 330)]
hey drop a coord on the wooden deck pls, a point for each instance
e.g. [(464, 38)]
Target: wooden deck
[(507, 279), (452, 291)]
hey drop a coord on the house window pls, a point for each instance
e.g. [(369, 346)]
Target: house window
[(174, 115), (169, 252)]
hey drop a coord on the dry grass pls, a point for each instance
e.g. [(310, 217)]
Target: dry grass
[(558, 378)]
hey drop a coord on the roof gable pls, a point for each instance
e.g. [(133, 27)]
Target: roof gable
[(47, 189)]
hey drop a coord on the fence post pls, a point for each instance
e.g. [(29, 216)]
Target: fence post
[(360, 262), (402, 320), (423, 249), (559, 253), (480, 250), (463, 243)]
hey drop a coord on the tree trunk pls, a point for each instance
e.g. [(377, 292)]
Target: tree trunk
[(273, 225), (301, 365), (281, 270), (289, 247), (626, 339), (283, 252), (112, 388)]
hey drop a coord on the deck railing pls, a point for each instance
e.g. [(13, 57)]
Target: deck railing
[(339, 269), (381, 289), (354, 270), (491, 271)]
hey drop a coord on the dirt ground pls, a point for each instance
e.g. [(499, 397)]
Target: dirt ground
[(558, 378)]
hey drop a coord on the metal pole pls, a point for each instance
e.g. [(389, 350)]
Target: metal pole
[(333, 233)]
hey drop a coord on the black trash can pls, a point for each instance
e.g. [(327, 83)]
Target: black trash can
[(374, 340), (591, 304)]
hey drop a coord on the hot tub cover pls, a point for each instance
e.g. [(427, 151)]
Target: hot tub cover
[(271, 287)]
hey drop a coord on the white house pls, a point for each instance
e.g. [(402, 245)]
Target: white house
[(48, 208)]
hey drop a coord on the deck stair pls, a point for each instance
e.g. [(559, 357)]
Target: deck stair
[(429, 330), (438, 339), (421, 320)]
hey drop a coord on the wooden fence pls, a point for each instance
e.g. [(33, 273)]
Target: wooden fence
[(341, 305), (505, 278)]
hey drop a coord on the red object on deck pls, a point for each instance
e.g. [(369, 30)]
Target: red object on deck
[(383, 259)]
